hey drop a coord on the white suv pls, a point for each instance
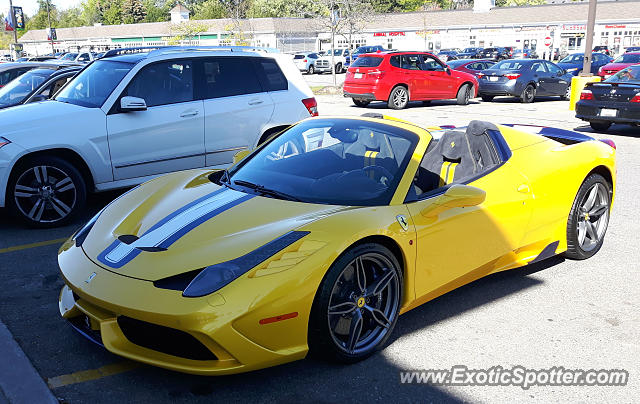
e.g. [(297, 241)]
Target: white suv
[(131, 116), (339, 60)]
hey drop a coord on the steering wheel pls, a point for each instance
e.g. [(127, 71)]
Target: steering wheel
[(384, 175)]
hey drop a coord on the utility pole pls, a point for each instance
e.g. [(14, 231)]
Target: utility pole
[(50, 30), (13, 22), (591, 22)]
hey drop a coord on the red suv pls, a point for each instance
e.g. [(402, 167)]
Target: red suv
[(400, 77)]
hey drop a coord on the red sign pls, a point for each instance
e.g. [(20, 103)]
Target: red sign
[(396, 33), (547, 41), (615, 26)]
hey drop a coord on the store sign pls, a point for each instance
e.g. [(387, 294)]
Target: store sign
[(615, 26), (424, 33), (395, 33), (574, 27)]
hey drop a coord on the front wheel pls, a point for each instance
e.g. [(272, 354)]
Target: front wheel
[(567, 94), (399, 98), (528, 94), (600, 126), (357, 304), (360, 103), (338, 68), (589, 218), (46, 192), (464, 94), (311, 69)]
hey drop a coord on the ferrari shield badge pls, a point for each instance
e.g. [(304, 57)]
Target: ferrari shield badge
[(403, 222)]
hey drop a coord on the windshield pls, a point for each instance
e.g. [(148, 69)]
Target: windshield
[(366, 49), (367, 61), (331, 161), (69, 56), (629, 75), (508, 65), (91, 87), (337, 52), (19, 88), (578, 58), (628, 58)]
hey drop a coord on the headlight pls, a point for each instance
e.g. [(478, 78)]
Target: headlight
[(215, 277), (4, 142), (572, 69)]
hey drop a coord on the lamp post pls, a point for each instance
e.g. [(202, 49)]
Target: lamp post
[(50, 30), (591, 22)]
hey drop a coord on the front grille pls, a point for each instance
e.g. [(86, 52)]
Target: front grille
[(164, 339), (322, 63)]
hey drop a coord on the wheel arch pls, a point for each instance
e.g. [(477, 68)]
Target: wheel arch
[(603, 171), (405, 85), (66, 154)]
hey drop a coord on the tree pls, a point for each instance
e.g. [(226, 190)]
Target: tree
[(157, 11), (356, 14), (133, 11), (112, 12), (92, 11), (71, 17), (209, 9), (285, 8), (186, 31)]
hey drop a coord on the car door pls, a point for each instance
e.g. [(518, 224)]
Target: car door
[(557, 81), (169, 135), (541, 76), (461, 242), (441, 84), (413, 75), (236, 106)]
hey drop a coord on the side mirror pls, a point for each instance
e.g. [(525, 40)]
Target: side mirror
[(38, 98), (457, 196), (561, 73), (131, 104), (240, 155)]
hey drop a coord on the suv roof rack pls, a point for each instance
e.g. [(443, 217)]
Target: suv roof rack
[(168, 49), (126, 51)]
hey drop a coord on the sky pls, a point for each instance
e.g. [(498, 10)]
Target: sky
[(30, 7)]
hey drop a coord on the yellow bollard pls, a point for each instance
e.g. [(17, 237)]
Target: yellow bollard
[(577, 84)]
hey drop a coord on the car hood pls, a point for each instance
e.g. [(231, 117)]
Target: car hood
[(566, 66), (37, 116), (183, 222)]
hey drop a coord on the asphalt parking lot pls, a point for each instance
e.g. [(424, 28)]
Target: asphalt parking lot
[(560, 313)]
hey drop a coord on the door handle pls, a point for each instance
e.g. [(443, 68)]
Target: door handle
[(188, 114), (255, 102), (524, 189)]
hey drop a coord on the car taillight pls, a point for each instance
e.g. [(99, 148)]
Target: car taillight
[(376, 73), (305, 61), (480, 75), (636, 98), (609, 142), (512, 76), (586, 95), (312, 106)]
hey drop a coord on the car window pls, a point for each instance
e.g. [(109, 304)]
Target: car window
[(476, 66), (508, 65), (394, 61), (367, 61), (628, 58), (629, 75), (411, 62), (163, 83), (488, 65), (553, 68), (313, 55), (229, 76), (430, 63), (298, 56), (83, 57), (271, 75), (54, 87), (538, 67), (91, 87), (16, 90)]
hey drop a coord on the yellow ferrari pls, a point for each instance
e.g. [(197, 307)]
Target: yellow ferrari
[(321, 237)]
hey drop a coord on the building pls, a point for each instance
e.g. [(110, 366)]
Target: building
[(540, 28)]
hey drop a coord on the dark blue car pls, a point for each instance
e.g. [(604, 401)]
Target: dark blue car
[(573, 63)]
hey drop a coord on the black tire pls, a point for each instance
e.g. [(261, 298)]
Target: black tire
[(46, 197), (464, 94), (324, 340), (487, 98), (580, 247), (528, 94), (567, 94), (399, 98), (338, 67), (311, 69), (600, 126), (360, 103)]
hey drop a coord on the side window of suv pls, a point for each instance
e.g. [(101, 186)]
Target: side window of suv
[(271, 75), (229, 76), (429, 63), (163, 83), (411, 62), (394, 61)]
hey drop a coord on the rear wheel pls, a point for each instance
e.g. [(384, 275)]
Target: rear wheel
[(399, 98), (360, 103), (600, 126), (567, 94), (339, 68), (464, 94), (487, 98), (357, 304), (589, 218), (46, 192), (311, 69), (528, 94)]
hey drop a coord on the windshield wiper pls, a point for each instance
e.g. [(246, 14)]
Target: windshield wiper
[(266, 191)]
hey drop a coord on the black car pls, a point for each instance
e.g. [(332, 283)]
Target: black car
[(36, 85), (469, 53), (632, 49), (602, 49), (524, 78), (496, 54), (617, 99)]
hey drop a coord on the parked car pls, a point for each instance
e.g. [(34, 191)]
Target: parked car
[(496, 54), (35, 85), (524, 78), (83, 57), (632, 49), (360, 50), (573, 63), (510, 50), (621, 62), (305, 62), (9, 71), (129, 117), (35, 58), (471, 66), (469, 53), (400, 77), (323, 64), (524, 54), (447, 54), (615, 100), (602, 49)]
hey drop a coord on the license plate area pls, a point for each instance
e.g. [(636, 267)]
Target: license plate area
[(493, 78), (608, 112), (357, 75)]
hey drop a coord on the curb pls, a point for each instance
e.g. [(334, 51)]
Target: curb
[(19, 381)]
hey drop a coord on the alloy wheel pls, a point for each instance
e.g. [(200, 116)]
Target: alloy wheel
[(364, 303), (45, 194), (400, 97), (593, 217)]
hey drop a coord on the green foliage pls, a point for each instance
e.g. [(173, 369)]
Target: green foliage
[(157, 11), (133, 11), (208, 9), (286, 8), (186, 30)]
